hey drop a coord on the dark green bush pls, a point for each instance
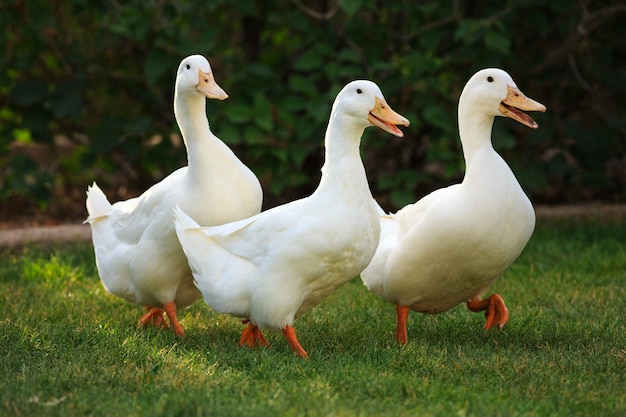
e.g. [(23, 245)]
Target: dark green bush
[(98, 77)]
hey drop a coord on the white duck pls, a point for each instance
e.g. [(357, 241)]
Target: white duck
[(138, 255), (273, 267), (451, 245)]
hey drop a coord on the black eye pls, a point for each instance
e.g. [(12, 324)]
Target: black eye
[(359, 91), (490, 79), (188, 66)]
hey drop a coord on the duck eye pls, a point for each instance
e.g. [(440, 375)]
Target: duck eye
[(359, 91), (188, 66), (490, 79)]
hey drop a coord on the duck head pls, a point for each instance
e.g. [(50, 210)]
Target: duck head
[(195, 76), (363, 101), (494, 91)]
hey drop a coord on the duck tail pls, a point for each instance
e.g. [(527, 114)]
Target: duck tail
[(97, 204)]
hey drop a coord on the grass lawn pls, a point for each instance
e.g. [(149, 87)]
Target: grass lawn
[(69, 348)]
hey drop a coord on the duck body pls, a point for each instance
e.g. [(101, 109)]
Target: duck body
[(451, 246), (463, 239), (138, 255), (281, 263), (275, 266)]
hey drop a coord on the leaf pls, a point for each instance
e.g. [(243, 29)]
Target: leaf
[(303, 85), (349, 55), (466, 31), (252, 135), (497, 42), (239, 113), (437, 116), (350, 7), (261, 70), (23, 136), (229, 134), (401, 198), (349, 71), (310, 60)]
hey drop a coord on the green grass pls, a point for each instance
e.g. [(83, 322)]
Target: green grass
[(69, 348)]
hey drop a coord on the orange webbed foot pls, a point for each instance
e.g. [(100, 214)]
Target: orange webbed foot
[(154, 317), (402, 313), (495, 310), (252, 335), (290, 335)]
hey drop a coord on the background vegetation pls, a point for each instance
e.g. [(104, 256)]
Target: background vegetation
[(68, 348), (86, 91)]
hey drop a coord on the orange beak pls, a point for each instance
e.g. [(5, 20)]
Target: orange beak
[(384, 117), (514, 104), (208, 86)]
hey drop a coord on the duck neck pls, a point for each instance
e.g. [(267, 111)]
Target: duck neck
[(192, 120), (475, 133), (342, 161)]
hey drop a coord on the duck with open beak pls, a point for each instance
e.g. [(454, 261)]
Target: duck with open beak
[(384, 117), (516, 103)]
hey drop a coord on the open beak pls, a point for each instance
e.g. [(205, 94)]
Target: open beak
[(384, 117), (208, 86), (514, 104)]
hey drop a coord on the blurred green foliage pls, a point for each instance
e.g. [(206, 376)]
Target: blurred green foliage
[(98, 78)]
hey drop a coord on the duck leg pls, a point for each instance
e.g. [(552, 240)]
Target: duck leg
[(402, 313), (290, 335), (252, 335), (495, 310), (153, 317), (170, 310)]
